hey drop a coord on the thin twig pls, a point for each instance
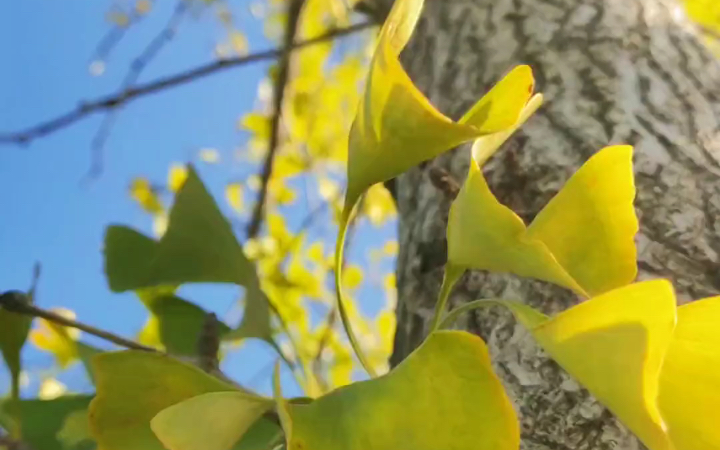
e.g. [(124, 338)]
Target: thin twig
[(85, 109), (14, 303), (281, 81), (136, 68), (324, 340), (113, 37)]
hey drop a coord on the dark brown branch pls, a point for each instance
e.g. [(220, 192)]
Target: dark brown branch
[(85, 109), (13, 302), (209, 344), (281, 81)]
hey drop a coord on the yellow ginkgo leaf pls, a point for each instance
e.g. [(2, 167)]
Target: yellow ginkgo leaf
[(143, 193), (234, 196), (378, 205), (396, 127), (176, 177), (50, 388), (352, 277), (209, 155), (583, 239), (457, 403), (690, 377), (614, 345), (57, 339), (212, 421)]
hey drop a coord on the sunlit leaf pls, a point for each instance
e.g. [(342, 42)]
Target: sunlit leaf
[(63, 342), (52, 424), (132, 387), (239, 42), (614, 345), (378, 205), (209, 155), (457, 402), (690, 377), (704, 12), (396, 127), (177, 175), (583, 239), (234, 196), (352, 277), (212, 421), (143, 193), (57, 339), (50, 389)]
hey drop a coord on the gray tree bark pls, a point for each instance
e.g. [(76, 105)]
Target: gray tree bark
[(612, 71)]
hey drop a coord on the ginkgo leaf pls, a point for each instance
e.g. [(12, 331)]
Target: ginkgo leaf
[(145, 195), (177, 323), (198, 246), (457, 403), (352, 277), (690, 377), (234, 196), (47, 424), (614, 345), (63, 342), (177, 175), (14, 329), (212, 421), (583, 239), (132, 387), (50, 389), (396, 127)]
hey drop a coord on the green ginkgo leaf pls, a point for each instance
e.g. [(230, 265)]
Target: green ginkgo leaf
[(132, 387), (583, 239), (52, 424), (14, 330), (213, 421), (443, 396), (178, 323), (199, 246)]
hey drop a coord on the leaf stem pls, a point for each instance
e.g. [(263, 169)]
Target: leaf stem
[(15, 305), (339, 248), (451, 276)]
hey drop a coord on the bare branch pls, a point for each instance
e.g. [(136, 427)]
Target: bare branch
[(113, 37), (136, 68), (293, 19), (85, 109), (14, 302)]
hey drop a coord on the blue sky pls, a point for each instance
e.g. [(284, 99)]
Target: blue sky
[(48, 215)]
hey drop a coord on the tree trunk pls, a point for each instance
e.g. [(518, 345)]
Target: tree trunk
[(612, 71)]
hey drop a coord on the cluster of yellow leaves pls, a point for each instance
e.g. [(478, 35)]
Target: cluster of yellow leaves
[(294, 275)]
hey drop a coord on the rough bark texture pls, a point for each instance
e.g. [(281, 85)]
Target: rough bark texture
[(613, 71)]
